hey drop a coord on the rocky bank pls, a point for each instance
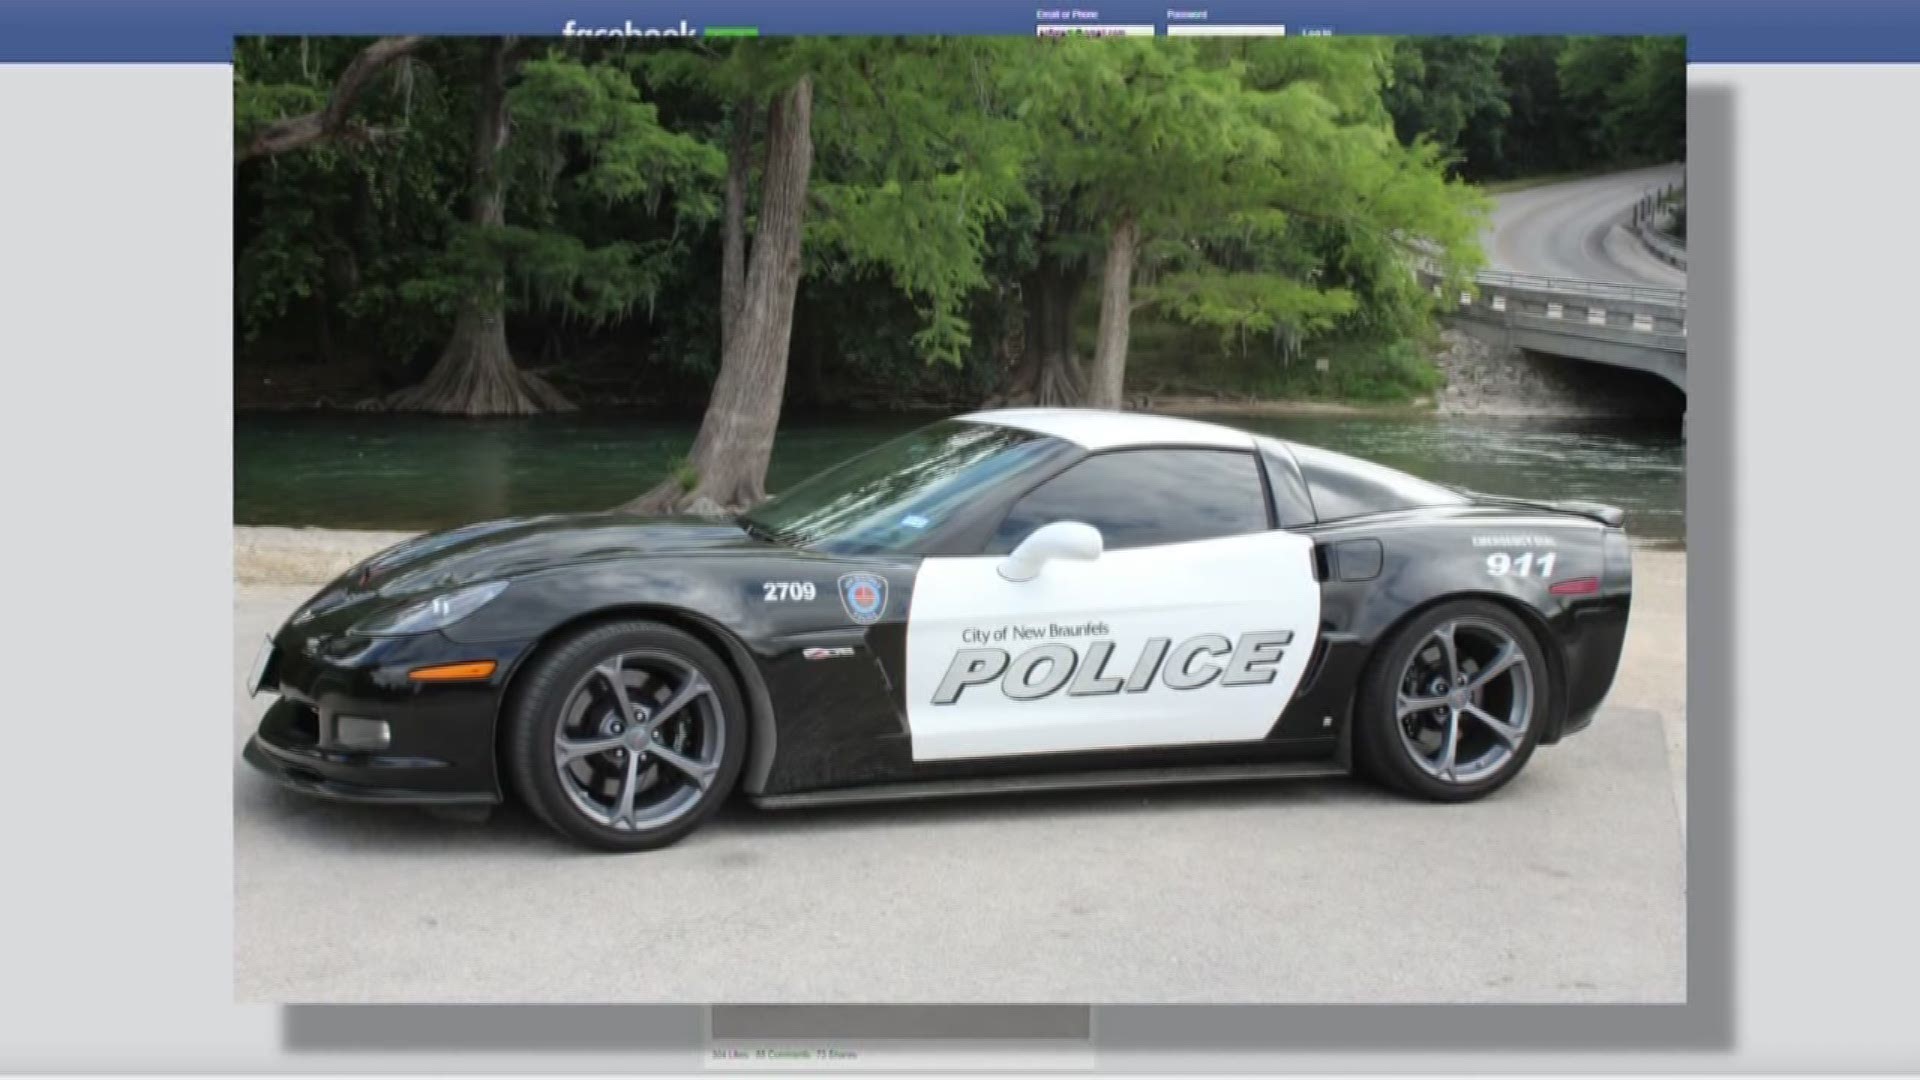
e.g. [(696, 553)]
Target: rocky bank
[(1485, 379)]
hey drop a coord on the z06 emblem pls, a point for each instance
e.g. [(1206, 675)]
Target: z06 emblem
[(864, 596)]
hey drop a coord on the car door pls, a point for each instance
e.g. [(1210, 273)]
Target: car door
[(1193, 625)]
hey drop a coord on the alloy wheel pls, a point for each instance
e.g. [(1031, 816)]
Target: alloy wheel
[(1465, 699), (640, 741)]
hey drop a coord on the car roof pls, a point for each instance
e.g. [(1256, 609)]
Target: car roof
[(1104, 429)]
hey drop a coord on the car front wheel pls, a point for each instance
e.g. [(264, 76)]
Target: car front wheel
[(1453, 704), (625, 736)]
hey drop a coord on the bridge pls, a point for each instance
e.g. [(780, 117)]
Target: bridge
[(1641, 327), (1558, 250)]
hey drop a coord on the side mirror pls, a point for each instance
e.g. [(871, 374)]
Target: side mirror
[(1060, 540)]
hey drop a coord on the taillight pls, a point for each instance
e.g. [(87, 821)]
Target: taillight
[(1580, 586)]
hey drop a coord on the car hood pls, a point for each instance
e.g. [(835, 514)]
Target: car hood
[(491, 550), (497, 549)]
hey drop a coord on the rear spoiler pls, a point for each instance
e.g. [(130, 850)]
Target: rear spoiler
[(1611, 516)]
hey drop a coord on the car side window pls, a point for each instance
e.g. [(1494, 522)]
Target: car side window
[(1141, 497)]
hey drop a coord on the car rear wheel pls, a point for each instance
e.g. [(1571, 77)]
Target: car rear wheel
[(1452, 706), (625, 736)]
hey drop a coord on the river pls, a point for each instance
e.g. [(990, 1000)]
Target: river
[(376, 471)]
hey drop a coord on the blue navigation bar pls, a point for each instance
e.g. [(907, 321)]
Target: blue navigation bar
[(1718, 31)]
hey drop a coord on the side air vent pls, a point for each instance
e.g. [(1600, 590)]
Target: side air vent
[(1358, 560)]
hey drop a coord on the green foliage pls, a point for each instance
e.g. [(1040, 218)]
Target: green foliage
[(917, 155), (1444, 87), (1635, 89), (1263, 175), (1282, 189), (584, 147), (274, 78), (1528, 106), (921, 153), (1170, 359), (585, 120), (1367, 370), (326, 239), (1251, 303)]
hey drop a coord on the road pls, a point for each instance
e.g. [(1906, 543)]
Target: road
[(1566, 886), (1576, 230)]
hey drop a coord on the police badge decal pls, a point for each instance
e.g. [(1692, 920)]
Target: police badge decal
[(864, 596)]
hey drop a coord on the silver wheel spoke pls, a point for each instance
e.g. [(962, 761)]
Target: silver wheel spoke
[(1502, 730), (1509, 655), (617, 682), (623, 811), (572, 750), (694, 688), (1419, 704), (1444, 634), (1451, 748), (698, 771)]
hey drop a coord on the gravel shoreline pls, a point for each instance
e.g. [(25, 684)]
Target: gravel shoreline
[(272, 555)]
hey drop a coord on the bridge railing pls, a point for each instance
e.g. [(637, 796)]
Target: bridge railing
[(1637, 326), (1598, 290), (1495, 292)]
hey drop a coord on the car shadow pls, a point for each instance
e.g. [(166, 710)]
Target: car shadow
[(741, 817)]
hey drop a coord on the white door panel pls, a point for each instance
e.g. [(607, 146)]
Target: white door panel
[(1155, 646)]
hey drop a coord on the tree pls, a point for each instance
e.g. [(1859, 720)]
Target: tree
[(578, 114), (581, 113), (476, 375), (1048, 372), (326, 228), (914, 181), (1448, 90), (730, 453), (1205, 158), (963, 198), (1654, 97), (1538, 135), (1631, 95), (333, 120)]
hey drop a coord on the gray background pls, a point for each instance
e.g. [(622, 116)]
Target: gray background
[(117, 941)]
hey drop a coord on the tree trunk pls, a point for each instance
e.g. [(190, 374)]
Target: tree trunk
[(733, 220), (475, 375), (1107, 379), (730, 454), (1048, 372)]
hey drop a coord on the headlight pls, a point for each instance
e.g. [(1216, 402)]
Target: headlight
[(432, 613)]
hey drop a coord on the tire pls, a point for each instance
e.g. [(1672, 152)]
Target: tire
[(572, 752), (1492, 740)]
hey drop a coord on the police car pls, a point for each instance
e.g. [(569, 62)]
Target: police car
[(1009, 600)]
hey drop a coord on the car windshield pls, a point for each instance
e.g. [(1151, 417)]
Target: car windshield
[(889, 498)]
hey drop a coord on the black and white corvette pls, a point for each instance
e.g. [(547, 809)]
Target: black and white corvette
[(1038, 598)]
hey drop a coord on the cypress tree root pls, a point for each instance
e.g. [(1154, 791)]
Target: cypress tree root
[(476, 376)]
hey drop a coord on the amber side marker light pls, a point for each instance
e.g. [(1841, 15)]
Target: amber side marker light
[(1580, 586), (471, 669)]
